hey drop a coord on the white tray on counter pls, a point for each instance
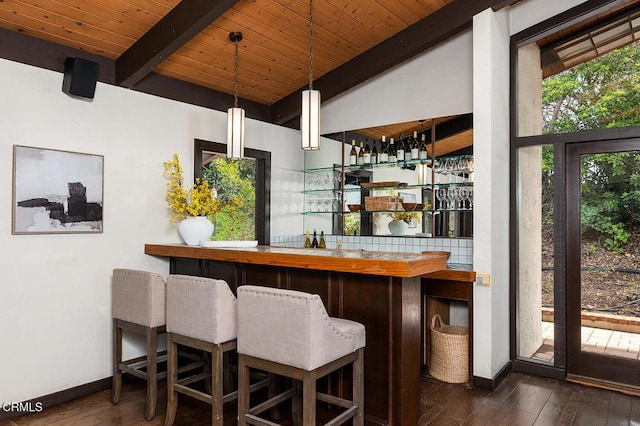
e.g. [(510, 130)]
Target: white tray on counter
[(221, 244)]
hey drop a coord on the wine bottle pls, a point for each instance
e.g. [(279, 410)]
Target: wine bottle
[(353, 155), (415, 146), (422, 154), (400, 150), (374, 153), (383, 156), (314, 243), (361, 154), (307, 241), (367, 153), (392, 151), (322, 243), (407, 150)]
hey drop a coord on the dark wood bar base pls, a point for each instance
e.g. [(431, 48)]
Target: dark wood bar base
[(387, 306), (382, 304)]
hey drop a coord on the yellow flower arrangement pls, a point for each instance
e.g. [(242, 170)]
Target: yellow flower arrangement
[(404, 216), (200, 200), (407, 216)]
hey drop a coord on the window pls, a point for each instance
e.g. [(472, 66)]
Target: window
[(247, 179)]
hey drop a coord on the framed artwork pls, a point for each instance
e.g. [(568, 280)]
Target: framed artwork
[(56, 191)]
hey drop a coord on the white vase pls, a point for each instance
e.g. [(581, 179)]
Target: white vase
[(398, 227), (195, 229)]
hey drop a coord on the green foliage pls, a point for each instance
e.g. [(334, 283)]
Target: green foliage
[(602, 93), (233, 180), (610, 196), (352, 224)]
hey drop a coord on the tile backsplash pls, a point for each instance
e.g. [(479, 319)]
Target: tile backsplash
[(461, 249)]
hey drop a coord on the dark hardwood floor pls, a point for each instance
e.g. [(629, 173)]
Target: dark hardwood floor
[(520, 400)]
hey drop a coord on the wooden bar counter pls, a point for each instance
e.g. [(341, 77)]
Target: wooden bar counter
[(380, 290)]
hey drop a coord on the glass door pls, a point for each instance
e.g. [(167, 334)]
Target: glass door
[(603, 281)]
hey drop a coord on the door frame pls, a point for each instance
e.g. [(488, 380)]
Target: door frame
[(579, 363)]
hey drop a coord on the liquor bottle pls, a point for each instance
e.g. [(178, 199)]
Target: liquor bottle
[(314, 243), (422, 154), (383, 156), (415, 146), (392, 151), (361, 154), (322, 243), (374, 153), (407, 150), (400, 150), (307, 241), (353, 155), (367, 153)]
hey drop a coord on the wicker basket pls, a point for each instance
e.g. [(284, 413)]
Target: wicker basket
[(383, 203), (449, 352)]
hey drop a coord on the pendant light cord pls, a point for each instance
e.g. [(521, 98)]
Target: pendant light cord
[(235, 72), (310, 44)]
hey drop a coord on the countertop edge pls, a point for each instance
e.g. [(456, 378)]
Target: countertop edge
[(403, 265)]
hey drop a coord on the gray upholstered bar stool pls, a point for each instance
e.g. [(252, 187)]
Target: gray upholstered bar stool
[(289, 333), (201, 314), (138, 305)]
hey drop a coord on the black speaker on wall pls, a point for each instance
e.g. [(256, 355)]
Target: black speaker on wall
[(80, 77)]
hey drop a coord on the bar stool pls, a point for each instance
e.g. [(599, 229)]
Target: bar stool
[(138, 305), (201, 314), (289, 333)]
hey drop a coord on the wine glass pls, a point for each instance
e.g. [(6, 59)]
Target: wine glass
[(441, 195), (463, 195), (439, 169), (452, 198), (463, 165), (450, 167)]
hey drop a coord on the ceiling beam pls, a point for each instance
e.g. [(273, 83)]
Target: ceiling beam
[(183, 91), (444, 23), (176, 28)]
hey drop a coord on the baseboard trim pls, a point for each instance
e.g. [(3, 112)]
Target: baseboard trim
[(492, 384), (58, 397)]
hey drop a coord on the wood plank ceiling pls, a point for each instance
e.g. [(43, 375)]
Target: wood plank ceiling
[(188, 42)]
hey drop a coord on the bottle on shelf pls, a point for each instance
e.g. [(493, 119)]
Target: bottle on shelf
[(391, 152), (322, 243), (383, 155), (407, 149), (374, 154), (353, 155), (307, 241), (314, 242), (360, 160), (422, 153), (367, 153), (415, 146), (400, 150)]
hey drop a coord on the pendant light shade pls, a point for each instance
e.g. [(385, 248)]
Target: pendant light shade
[(310, 120), (310, 111), (235, 133), (235, 115)]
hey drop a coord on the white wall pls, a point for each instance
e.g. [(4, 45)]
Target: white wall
[(55, 315), (491, 190), (436, 83)]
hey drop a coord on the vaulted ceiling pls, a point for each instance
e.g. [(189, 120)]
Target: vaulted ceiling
[(181, 49)]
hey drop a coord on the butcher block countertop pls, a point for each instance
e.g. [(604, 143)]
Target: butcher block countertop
[(403, 265)]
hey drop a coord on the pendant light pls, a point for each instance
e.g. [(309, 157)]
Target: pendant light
[(235, 115), (310, 112)]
